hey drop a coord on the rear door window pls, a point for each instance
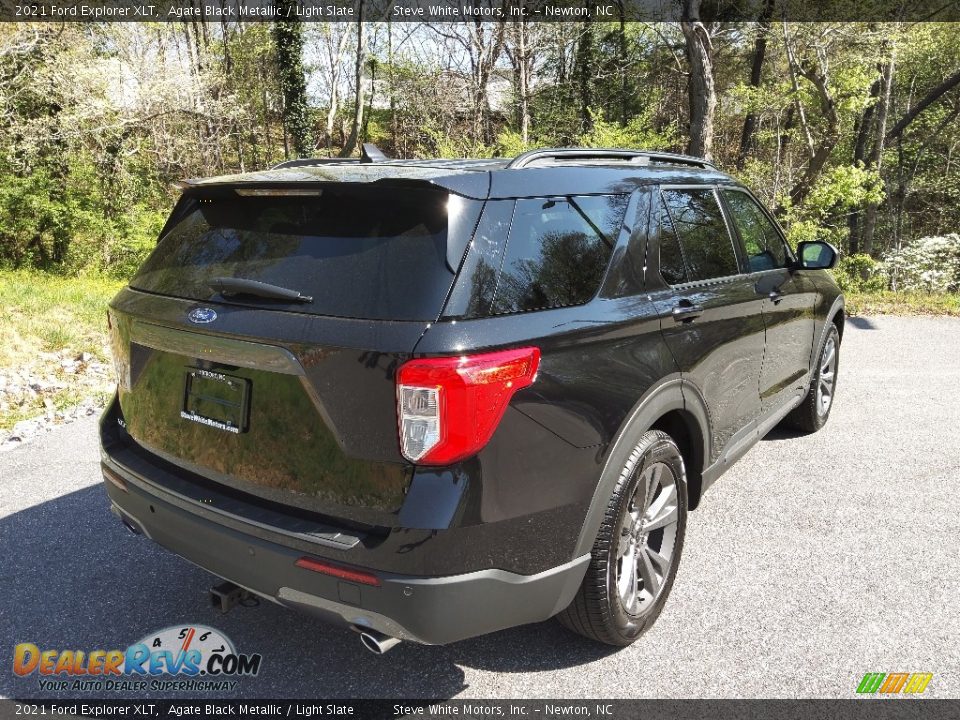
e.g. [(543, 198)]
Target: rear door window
[(764, 246), (700, 235), (360, 252)]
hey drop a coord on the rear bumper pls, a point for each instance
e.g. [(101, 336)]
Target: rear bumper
[(429, 610)]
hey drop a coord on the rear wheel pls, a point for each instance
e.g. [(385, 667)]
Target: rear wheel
[(637, 551), (813, 412)]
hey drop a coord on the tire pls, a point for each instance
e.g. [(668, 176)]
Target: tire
[(604, 608), (812, 414)]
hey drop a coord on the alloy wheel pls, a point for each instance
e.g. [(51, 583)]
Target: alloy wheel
[(647, 538), (828, 376)]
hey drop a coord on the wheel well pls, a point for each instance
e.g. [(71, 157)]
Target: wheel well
[(683, 428), (839, 320)]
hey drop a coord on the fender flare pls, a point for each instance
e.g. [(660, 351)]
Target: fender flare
[(836, 307), (663, 397)]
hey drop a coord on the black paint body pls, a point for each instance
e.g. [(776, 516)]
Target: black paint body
[(321, 450)]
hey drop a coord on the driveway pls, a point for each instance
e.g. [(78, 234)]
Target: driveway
[(813, 561)]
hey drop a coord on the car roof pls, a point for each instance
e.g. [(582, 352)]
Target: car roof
[(489, 178)]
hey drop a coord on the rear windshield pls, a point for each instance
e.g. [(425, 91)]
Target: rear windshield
[(360, 253)]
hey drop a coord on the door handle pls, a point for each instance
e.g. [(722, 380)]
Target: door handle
[(776, 296), (686, 312)]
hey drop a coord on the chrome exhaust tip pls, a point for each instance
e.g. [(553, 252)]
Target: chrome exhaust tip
[(375, 642), (131, 527)]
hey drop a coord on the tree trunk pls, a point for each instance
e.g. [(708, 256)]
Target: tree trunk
[(876, 155), (821, 152), (484, 52), (583, 69), (701, 91), (288, 39), (524, 81), (748, 136), (357, 123), (623, 59), (519, 55), (373, 85), (394, 129), (863, 128), (930, 98)]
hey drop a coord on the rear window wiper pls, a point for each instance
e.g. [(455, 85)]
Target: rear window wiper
[(227, 286)]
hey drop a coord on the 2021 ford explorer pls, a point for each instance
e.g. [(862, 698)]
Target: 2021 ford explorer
[(434, 399)]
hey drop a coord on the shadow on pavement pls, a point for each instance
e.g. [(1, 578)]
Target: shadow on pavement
[(784, 433), (74, 578), (861, 323)]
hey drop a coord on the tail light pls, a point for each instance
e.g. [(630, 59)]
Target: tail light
[(448, 408)]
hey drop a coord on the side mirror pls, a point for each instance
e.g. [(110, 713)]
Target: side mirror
[(816, 255)]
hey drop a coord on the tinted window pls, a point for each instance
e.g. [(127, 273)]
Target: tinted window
[(698, 221), (671, 257), (557, 251), (626, 276), (764, 246), (360, 253), (473, 294)]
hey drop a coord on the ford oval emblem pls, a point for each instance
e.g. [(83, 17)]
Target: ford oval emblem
[(202, 315)]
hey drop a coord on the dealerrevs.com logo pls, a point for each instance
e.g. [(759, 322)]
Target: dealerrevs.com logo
[(185, 658)]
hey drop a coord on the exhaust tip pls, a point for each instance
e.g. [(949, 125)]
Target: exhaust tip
[(376, 642), (131, 527)]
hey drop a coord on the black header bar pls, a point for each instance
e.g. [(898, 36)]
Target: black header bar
[(470, 10), (874, 709)]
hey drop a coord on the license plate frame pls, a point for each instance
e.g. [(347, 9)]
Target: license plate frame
[(216, 399)]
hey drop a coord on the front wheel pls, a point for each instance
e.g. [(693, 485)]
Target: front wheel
[(813, 413), (637, 551)]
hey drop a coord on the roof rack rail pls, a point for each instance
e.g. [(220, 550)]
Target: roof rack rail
[(369, 153), (639, 157), (306, 162)]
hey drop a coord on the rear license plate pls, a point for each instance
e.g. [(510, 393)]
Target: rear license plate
[(216, 400)]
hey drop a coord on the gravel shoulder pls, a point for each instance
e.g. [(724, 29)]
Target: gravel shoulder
[(813, 561), (66, 386)]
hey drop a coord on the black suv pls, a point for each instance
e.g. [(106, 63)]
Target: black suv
[(434, 399)]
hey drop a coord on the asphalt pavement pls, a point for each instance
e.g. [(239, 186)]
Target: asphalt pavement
[(813, 561)]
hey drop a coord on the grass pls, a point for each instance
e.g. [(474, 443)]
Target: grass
[(43, 319), (902, 303)]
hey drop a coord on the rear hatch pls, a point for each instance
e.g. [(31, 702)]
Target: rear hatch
[(257, 346)]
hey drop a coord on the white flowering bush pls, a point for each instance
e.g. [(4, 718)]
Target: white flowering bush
[(930, 264)]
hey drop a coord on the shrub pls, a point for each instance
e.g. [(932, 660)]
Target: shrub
[(639, 133), (930, 264), (73, 224), (860, 273)]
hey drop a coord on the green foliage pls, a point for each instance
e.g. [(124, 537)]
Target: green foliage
[(639, 133), (860, 273), (66, 224), (447, 146), (510, 144), (824, 213)]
